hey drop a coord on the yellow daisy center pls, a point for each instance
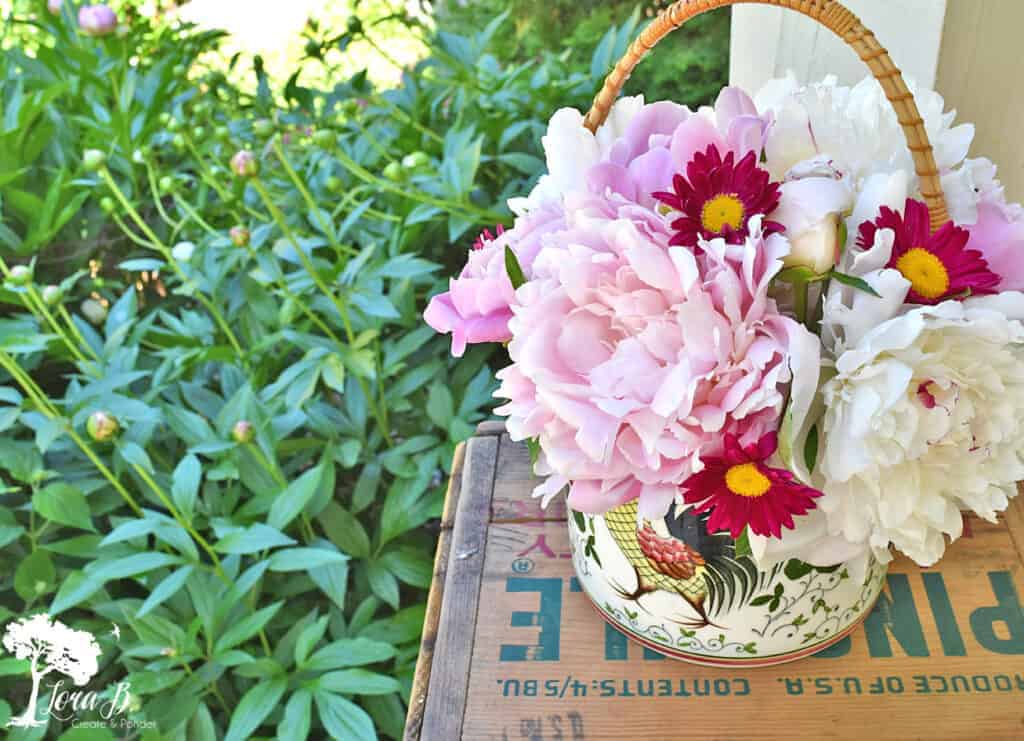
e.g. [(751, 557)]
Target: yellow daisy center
[(926, 273), (725, 208), (747, 480)]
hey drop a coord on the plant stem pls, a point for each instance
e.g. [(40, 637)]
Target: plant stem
[(409, 119), (368, 177), (166, 252), (39, 398), (800, 290), (166, 501), (151, 176), (310, 202), (307, 263)]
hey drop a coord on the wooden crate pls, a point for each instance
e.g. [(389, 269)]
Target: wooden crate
[(513, 650)]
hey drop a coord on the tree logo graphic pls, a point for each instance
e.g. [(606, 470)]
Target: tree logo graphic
[(50, 645)]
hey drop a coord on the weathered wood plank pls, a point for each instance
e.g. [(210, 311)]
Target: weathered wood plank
[(424, 662), (449, 679)]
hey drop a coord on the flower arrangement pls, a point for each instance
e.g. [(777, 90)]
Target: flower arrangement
[(744, 311)]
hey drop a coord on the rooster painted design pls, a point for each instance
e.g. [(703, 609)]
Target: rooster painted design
[(679, 555)]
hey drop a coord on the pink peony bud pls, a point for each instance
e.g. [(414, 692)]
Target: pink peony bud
[(97, 20), (54, 6), (244, 164)]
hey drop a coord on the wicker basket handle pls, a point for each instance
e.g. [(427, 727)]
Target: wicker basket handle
[(838, 19)]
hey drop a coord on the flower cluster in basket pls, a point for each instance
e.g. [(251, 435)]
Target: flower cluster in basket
[(743, 310)]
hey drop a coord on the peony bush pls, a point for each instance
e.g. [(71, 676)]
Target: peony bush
[(223, 427)]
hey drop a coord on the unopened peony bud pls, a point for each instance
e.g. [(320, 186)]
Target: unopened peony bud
[(54, 6), (223, 133), (415, 160), (94, 311), (93, 159), (182, 251), (817, 247), (102, 426), (52, 295), (166, 184), (394, 171), (239, 236), (325, 139), (244, 164), (263, 127), (108, 205), (97, 20), (243, 432), (334, 184), (20, 275), (139, 157)]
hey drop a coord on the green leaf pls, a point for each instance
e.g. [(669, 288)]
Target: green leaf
[(122, 568), (440, 406), (255, 538), (135, 455), (512, 267), (743, 544), (185, 484), (65, 504), (289, 503), (254, 707), (345, 531), (301, 559), (75, 588), (165, 590), (201, 726), (383, 583), (358, 682), (87, 733), (533, 445), (349, 652), (764, 599), (854, 282), (343, 718), (35, 576), (245, 628), (297, 717), (799, 274), (308, 638)]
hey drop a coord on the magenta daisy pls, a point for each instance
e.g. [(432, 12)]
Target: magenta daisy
[(741, 491), (718, 196), (937, 265)]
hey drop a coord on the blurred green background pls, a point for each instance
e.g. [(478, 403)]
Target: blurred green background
[(224, 426)]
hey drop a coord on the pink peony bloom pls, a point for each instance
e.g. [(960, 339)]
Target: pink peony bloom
[(54, 6), (663, 137), (998, 235), (97, 20), (632, 358), (475, 308)]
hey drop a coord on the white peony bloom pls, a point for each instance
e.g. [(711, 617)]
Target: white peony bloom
[(571, 150), (855, 127), (925, 417)]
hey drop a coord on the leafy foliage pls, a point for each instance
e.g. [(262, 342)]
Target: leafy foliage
[(223, 425)]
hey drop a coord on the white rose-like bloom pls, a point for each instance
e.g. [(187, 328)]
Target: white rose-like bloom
[(925, 417)]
